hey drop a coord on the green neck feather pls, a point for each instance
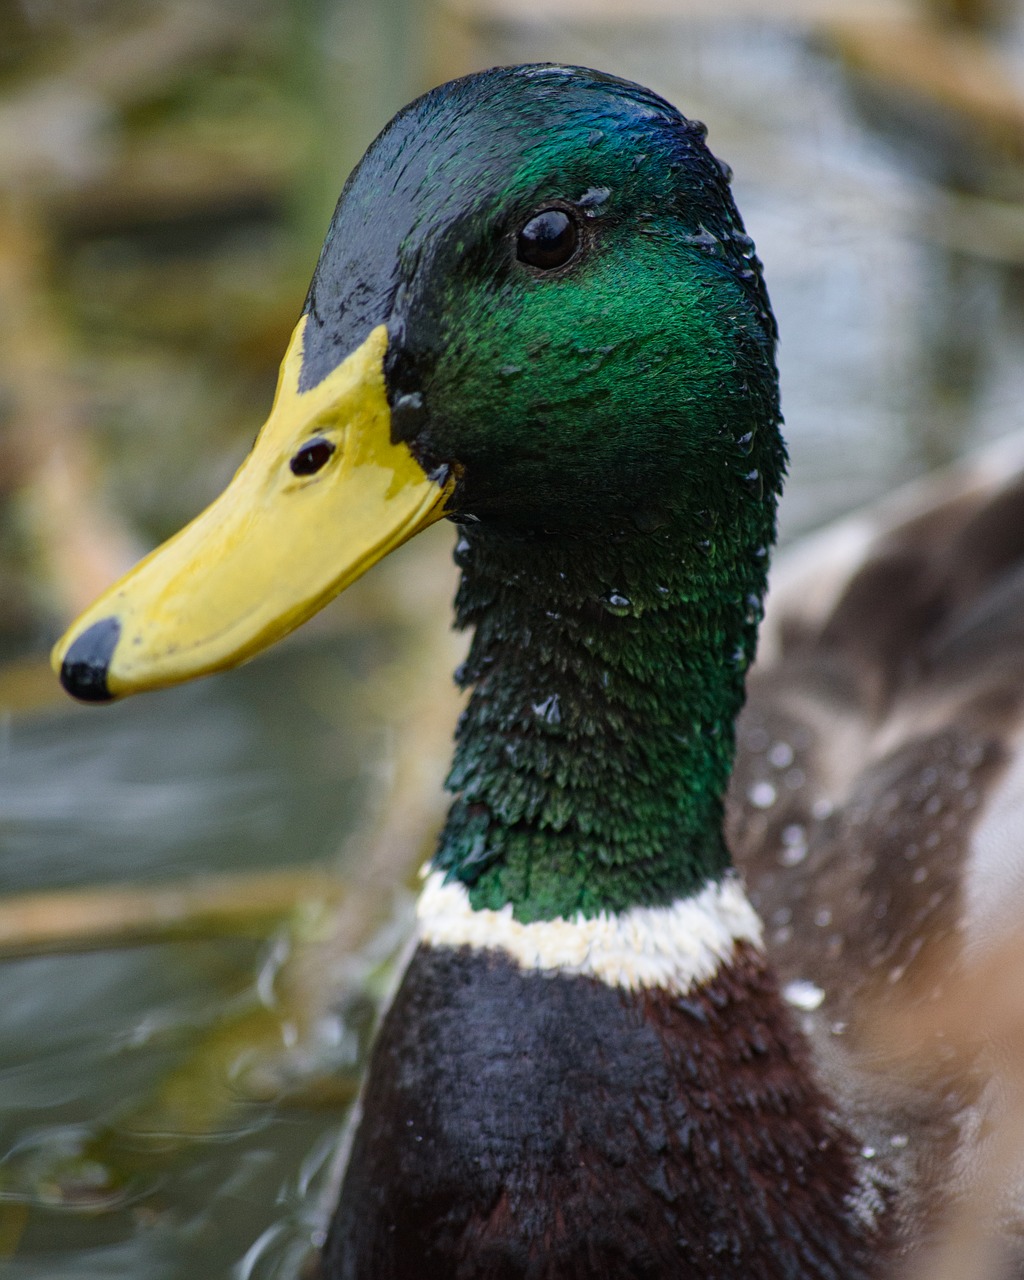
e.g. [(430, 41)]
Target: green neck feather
[(592, 760), (613, 423)]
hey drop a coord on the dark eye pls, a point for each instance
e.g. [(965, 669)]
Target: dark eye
[(548, 240), (311, 457)]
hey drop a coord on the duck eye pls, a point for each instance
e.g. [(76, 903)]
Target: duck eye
[(311, 457), (548, 240)]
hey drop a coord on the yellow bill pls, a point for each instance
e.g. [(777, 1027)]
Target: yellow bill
[(323, 495)]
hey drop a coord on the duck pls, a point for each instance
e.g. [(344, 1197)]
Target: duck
[(636, 1033)]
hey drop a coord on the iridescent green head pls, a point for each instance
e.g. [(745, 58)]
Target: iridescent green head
[(576, 318)]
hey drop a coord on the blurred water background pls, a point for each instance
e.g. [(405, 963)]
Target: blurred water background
[(199, 890)]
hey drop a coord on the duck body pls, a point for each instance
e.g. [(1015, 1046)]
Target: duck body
[(537, 313), (594, 751)]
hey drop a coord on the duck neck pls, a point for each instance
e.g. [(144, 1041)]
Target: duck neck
[(593, 757)]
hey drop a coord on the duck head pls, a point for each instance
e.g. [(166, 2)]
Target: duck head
[(536, 308)]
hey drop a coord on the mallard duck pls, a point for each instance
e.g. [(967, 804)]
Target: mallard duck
[(537, 314)]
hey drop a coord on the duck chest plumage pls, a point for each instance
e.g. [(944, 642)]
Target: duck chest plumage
[(530, 1123)]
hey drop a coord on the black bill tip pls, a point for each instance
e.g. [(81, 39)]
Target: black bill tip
[(84, 670)]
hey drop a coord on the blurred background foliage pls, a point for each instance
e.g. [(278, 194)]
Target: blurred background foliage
[(198, 891)]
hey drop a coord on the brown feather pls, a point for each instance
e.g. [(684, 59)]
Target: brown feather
[(872, 813)]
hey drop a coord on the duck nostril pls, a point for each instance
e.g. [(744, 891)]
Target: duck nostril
[(83, 672)]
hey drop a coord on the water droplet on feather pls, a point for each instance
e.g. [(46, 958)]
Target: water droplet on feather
[(593, 197), (549, 710), (803, 995), (762, 795), (781, 755), (617, 604), (794, 845)]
